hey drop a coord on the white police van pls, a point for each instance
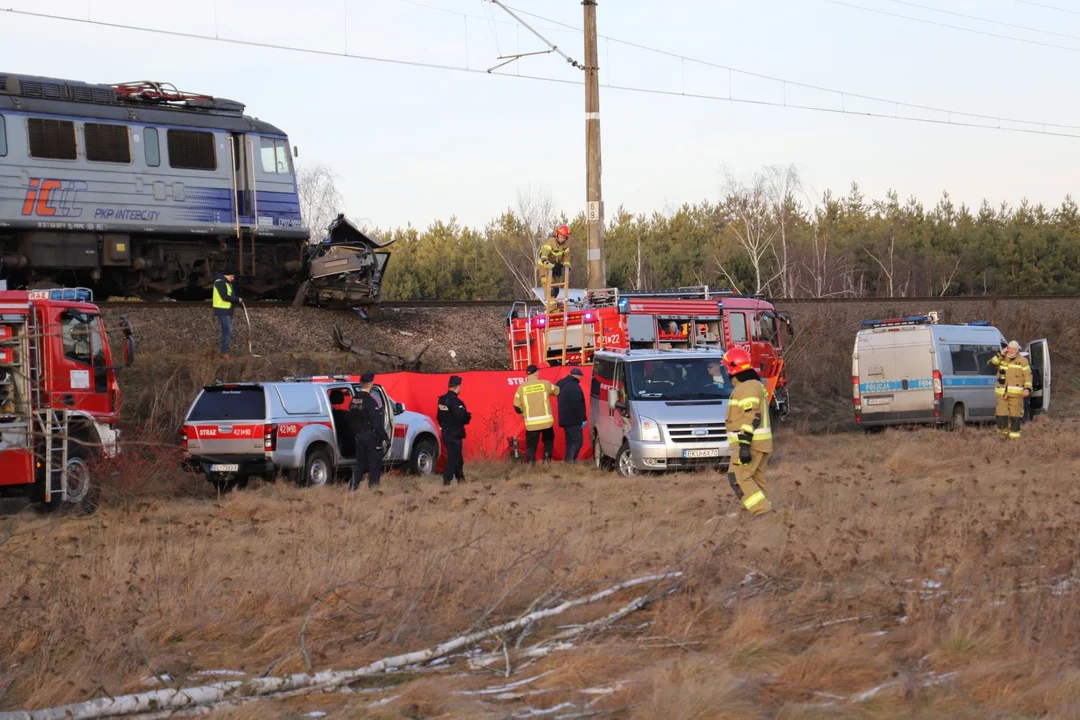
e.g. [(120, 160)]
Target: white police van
[(913, 371)]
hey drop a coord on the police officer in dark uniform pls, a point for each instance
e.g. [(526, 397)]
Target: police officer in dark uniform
[(453, 417), (367, 424)]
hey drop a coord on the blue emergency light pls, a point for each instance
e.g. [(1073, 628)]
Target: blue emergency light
[(63, 294), (980, 323), (624, 305), (909, 320)]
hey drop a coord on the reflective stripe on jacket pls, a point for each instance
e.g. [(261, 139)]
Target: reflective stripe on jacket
[(552, 253), (532, 399), (1013, 375), (748, 412)]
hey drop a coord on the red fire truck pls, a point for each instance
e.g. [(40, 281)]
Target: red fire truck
[(685, 318), (59, 399)]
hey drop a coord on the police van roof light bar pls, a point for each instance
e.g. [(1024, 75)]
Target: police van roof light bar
[(928, 319)]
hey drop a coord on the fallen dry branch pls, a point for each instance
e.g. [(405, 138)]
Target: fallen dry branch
[(402, 363), (188, 699)]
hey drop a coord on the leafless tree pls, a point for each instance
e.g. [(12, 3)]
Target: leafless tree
[(782, 185), (320, 200), (824, 271), (534, 217), (752, 224), (946, 281)]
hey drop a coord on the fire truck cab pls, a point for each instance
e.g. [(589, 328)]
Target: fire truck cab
[(59, 398), (696, 318)]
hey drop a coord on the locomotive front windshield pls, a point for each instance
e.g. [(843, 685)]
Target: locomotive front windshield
[(679, 379)]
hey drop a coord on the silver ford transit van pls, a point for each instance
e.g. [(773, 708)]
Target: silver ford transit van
[(659, 410)]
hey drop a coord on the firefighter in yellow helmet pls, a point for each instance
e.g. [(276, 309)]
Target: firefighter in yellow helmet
[(531, 402), (1013, 385), (749, 433), (555, 259)]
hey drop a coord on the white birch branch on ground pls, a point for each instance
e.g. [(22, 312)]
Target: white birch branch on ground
[(224, 692)]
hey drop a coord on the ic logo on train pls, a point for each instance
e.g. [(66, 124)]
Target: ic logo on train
[(46, 197)]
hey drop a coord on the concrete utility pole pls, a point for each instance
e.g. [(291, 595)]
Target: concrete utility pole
[(595, 207)]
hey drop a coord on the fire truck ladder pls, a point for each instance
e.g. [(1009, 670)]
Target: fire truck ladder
[(33, 346), (560, 320), (54, 429), (520, 337), (553, 310), (50, 424)]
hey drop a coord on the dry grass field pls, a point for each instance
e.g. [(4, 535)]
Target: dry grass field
[(918, 574)]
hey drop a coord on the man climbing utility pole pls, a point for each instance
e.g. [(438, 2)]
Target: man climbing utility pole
[(595, 207)]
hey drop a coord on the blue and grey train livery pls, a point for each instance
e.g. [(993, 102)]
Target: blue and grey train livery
[(914, 371), (139, 189)]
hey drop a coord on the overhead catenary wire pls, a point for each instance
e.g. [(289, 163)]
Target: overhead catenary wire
[(993, 122), (961, 28), (795, 83), (999, 23), (1048, 7)]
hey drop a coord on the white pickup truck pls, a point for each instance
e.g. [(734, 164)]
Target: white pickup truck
[(297, 428)]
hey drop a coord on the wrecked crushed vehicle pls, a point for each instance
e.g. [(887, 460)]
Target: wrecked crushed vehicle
[(345, 270)]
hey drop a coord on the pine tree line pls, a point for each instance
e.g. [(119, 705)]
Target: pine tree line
[(765, 236)]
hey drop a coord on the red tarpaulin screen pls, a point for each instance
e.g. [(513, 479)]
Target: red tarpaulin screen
[(489, 396)]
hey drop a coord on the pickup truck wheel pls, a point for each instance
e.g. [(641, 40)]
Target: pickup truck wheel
[(625, 462), (318, 469), (423, 458)]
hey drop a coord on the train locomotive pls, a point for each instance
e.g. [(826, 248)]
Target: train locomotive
[(141, 190)]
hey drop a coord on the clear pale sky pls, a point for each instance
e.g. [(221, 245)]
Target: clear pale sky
[(418, 144)]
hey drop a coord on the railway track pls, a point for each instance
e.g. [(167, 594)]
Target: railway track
[(170, 304), (436, 304)]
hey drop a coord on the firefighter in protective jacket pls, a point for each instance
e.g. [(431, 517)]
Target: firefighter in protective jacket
[(531, 402), (1013, 385), (749, 433), (555, 259)]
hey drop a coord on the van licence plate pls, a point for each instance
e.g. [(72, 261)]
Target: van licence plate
[(701, 452), (224, 468), (878, 401)]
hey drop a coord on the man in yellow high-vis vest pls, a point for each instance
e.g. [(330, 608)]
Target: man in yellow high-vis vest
[(225, 300), (531, 402)]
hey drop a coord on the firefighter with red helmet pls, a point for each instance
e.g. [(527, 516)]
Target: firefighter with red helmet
[(749, 432), (554, 258)]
